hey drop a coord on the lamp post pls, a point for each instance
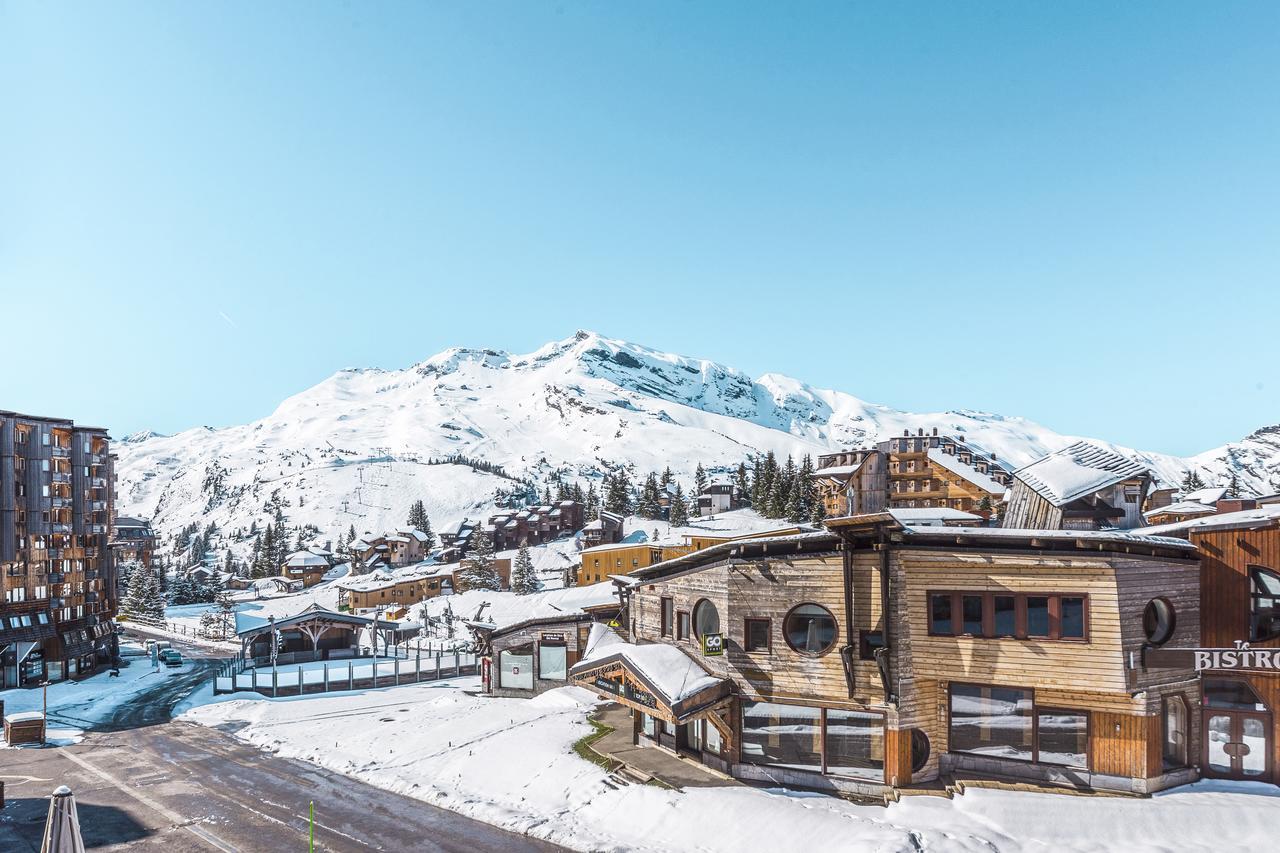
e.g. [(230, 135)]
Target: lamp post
[(44, 724), (275, 641)]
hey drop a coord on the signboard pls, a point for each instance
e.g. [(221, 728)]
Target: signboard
[(1240, 657), (553, 638), (626, 691), (712, 645), (608, 685)]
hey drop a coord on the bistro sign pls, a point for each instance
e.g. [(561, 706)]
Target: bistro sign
[(1240, 657)]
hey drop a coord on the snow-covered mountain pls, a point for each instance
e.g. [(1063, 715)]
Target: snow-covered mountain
[(355, 449)]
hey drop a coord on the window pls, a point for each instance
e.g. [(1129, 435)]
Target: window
[(515, 668), (1037, 616), (994, 615), (1175, 732), (552, 662), (1235, 695), (666, 617), (810, 629), (940, 613), (1264, 604), (782, 735), (1158, 621), (1005, 613), (682, 625), (706, 619), (854, 743), (713, 739), (1062, 737), (993, 721), (1071, 618), (756, 635), (919, 750)]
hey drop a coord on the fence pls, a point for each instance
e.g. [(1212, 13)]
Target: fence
[(351, 674)]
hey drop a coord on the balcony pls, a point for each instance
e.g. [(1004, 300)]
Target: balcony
[(96, 458), (96, 528), (59, 477), (97, 506), (92, 574), (60, 528), (59, 502), (56, 577), (98, 482), (90, 597), (16, 571), (57, 451), (57, 603)]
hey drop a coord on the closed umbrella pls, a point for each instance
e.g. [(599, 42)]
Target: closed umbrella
[(62, 829)]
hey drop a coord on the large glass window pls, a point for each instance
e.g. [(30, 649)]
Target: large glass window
[(855, 744), (971, 614), (516, 669), (706, 619), (1037, 615), (782, 735), (1005, 608), (810, 629), (553, 663), (1071, 619), (666, 617), (756, 637), (993, 721), (1264, 603), (1236, 695), (1063, 737)]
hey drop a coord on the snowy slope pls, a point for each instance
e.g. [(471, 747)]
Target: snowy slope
[(353, 449)]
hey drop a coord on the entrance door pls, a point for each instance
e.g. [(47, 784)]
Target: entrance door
[(1238, 744)]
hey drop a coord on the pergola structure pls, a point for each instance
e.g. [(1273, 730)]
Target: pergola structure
[(324, 631)]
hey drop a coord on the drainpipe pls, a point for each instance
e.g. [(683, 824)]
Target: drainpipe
[(883, 653), (851, 639)]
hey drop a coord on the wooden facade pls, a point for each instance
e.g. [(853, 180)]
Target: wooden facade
[(807, 648)]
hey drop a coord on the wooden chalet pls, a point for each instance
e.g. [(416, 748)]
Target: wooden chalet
[(853, 482), (305, 567), (605, 530), (1238, 692), (1081, 487), (878, 654)]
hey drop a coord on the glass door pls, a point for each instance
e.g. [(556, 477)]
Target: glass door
[(1237, 745)]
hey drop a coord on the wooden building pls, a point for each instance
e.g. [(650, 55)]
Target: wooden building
[(605, 530), (1081, 487), (878, 654), (533, 651), (315, 633), (911, 472), (1239, 663), (387, 589), (392, 550), (617, 559), (306, 567)]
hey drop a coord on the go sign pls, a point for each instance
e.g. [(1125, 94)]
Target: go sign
[(712, 644)]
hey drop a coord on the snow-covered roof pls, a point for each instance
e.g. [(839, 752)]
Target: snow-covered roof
[(1077, 470), (922, 516), (1209, 496), (1181, 508), (960, 468), (836, 471), (507, 610), (616, 546), (415, 533), (666, 667), (1263, 516), (593, 525), (1119, 537), (302, 559)]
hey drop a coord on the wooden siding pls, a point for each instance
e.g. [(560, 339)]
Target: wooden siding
[(1225, 557), (769, 589), (1120, 745), (1027, 509)]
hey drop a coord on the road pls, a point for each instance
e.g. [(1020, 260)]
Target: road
[(143, 782)]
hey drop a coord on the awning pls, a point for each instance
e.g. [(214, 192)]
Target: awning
[(659, 679)]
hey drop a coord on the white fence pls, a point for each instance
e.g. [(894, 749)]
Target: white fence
[(351, 674)]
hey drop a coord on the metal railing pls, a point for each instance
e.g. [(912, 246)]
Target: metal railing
[(360, 673)]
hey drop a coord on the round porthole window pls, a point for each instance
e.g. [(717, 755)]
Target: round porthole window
[(1158, 621), (810, 629), (919, 750)]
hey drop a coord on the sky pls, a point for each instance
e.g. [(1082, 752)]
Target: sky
[(1061, 211)]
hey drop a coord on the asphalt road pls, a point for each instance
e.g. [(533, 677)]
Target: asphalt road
[(143, 782)]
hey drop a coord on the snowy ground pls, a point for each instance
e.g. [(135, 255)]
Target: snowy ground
[(75, 705), (509, 762)]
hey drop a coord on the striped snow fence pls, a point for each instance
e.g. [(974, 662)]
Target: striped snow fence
[(353, 674)]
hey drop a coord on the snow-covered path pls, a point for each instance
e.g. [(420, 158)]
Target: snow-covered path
[(509, 762)]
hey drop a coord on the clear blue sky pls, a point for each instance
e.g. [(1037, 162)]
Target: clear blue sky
[(1070, 213)]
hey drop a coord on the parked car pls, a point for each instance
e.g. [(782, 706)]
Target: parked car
[(171, 657)]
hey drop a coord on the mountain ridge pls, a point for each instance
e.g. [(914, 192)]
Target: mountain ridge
[(572, 407)]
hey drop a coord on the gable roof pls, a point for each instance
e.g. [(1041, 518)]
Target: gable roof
[(1077, 470), (1181, 508), (960, 468)]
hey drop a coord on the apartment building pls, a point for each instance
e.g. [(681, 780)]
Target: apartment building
[(57, 576)]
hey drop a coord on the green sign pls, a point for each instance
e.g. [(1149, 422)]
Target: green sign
[(712, 645)]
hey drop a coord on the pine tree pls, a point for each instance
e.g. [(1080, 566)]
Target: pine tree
[(618, 493), (418, 521), (478, 570), (229, 565), (679, 516), (1192, 482), (1233, 486), (591, 509), (740, 483), (648, 507), (699, 480), (218, 623), (523, 579), (667, 476)]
